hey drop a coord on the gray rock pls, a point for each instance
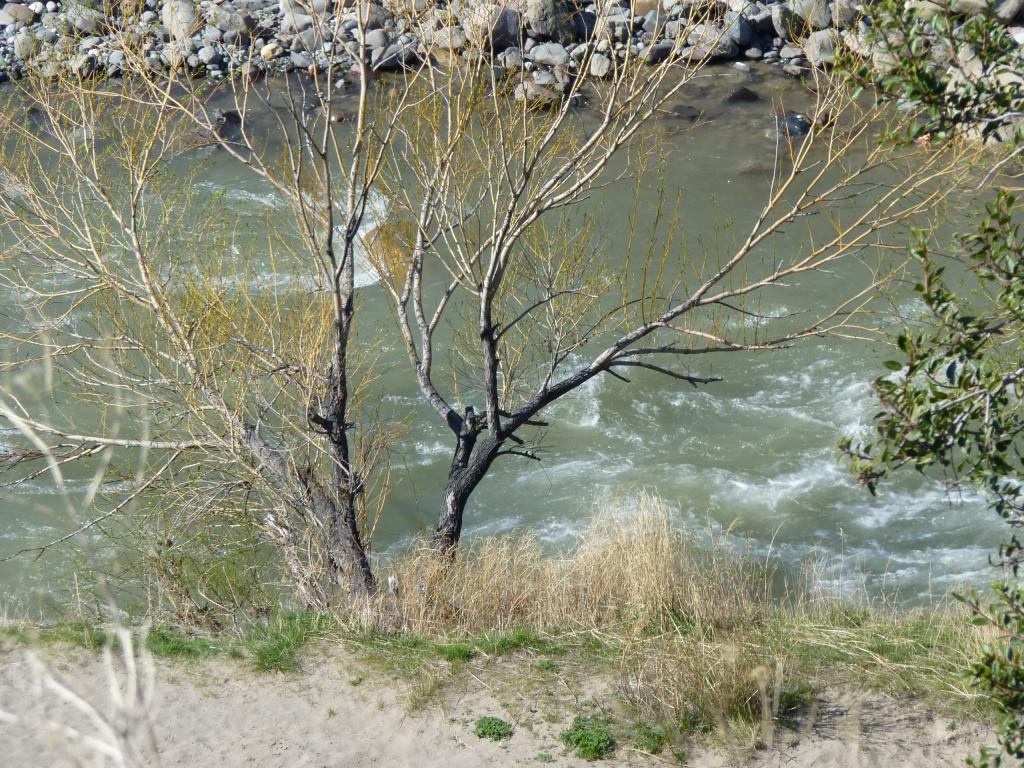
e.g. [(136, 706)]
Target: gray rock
[(600, 65), (544, 77), (179, 17), (301, 60), (396, 56), (741, 95), (241, 23), (511, 58), (447, 39), (25, 45), (535, 95), (553, 19), (296, 22), (1008, 10), (652, 22), (549, 54), (845, 13), (208, 55), (307, 7), (739, 28), (658, 52), (492, 26), (377, 38), (790, 51), (710, 41), (815, 13), (785, 22), (793, 124), (20, 13), (82, 18), (1004, 10), (820, 47), (373, 15)]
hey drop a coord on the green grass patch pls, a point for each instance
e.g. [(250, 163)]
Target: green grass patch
[(590, 737), (168, 642), (274, 645), (648, 738), (493, 728), (79, 633)]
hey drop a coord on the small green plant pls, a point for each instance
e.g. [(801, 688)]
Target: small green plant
[(693, 722), (648, 738), (545, 757), (793, 698), (274, 646), (169, 642), (456, 651), (590, 736), (545, 665), (493, 728)]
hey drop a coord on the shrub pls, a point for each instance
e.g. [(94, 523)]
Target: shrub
[(493, 728), (590, 737)]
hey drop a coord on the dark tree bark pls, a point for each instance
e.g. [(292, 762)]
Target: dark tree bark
[(469, 465)]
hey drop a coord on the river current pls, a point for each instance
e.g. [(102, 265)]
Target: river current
[(755, 453)]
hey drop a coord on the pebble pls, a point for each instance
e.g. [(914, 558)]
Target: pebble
[(546, 37)]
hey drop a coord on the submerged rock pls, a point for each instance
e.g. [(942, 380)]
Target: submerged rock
[(793, 124)]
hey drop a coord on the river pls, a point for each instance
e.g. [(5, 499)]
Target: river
[(755, 453)]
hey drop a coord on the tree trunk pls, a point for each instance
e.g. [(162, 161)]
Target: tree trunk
[(466, 472), (347, 557)]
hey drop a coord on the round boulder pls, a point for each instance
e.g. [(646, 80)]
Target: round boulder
[(491, 26), (554, 20), (179, 17)]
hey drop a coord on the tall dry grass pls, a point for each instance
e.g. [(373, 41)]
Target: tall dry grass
[(700, 637), (634, 572)]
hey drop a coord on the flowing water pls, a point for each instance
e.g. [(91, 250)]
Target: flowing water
[(755, 452)]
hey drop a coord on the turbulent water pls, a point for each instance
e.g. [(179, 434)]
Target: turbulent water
[(755, 453)]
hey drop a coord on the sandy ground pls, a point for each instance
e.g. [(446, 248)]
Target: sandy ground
[(219, 715)]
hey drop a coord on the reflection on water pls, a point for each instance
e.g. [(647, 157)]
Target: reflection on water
[(756, 452)]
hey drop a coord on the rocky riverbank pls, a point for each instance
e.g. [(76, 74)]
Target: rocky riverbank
[(219, 38), (555, 41)]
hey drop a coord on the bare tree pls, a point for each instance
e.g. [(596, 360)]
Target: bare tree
[(249, 398), (544, 318), (248, 402)]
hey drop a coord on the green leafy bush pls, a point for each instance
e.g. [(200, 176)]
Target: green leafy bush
[(954, 402), (493, 728), (590, 737), (648, 738)]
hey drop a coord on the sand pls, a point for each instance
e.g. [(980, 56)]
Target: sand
[(221, 715)]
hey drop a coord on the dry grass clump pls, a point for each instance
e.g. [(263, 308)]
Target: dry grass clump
[(700, 640), (704, 684), (636, 572)]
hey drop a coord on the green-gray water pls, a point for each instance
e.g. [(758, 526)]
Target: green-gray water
[(756, 451)]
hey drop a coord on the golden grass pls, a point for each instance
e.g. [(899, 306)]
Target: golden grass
[(634, 573), (700, 639)]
